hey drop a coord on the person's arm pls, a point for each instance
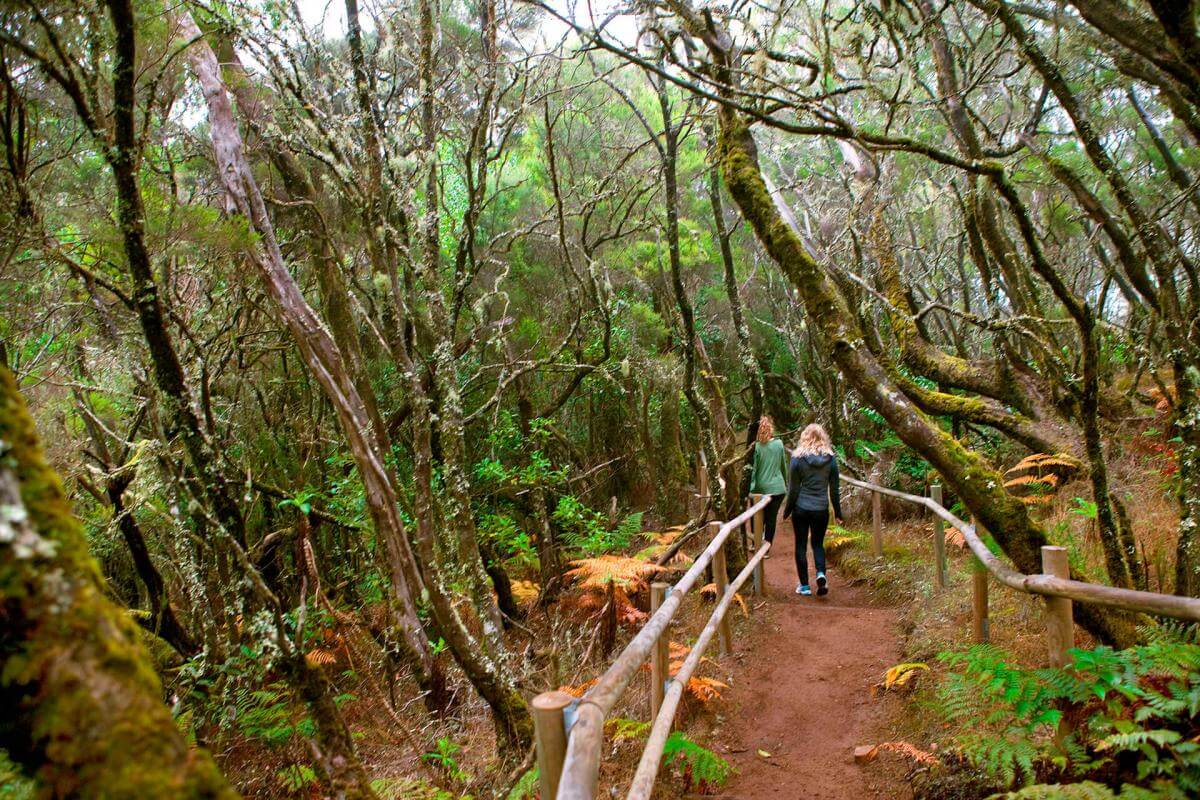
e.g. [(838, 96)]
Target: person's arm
[(793, 490), (783, 466), (835, 491), (754, 472)]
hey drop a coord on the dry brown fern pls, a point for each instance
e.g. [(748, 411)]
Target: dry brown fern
[(578, 690), (594, 574)]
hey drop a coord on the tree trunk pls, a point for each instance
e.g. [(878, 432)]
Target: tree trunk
[(83, 707), (317, 347), (169, 376), (745, 350)]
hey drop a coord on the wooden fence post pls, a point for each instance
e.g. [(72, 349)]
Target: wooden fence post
[(550, 734), (756, 538), (939, 540), (877, 524), (659, 657), (721, 581), (1060, 629), (980, 625)]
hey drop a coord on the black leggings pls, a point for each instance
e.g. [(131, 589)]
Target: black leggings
[(769, 514), (803, 522)]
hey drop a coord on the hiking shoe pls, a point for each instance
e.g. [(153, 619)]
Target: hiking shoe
[(822, 584), (804, 590)]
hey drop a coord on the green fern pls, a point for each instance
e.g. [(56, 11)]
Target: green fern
[(1087, 790), (628, 528), (296, 777), (1135, 740), (1171, 631), (1136, 711), (702, 769), (622, 729), (586, 531), (526, 786), (1090, 790)]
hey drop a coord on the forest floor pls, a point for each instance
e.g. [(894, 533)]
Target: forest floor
[(801, 697)]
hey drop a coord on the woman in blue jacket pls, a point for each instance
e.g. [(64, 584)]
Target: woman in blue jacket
[(812, 485)]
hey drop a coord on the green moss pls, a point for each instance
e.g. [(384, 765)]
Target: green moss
[(83, 705)]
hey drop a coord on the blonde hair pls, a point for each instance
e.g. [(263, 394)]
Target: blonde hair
[(813, 441), (766, 429)]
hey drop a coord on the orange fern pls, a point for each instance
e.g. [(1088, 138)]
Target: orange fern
[(318, 657), (705, 690), (905, 749), (578, 690), (624, 572)]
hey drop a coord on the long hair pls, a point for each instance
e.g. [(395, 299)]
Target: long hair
[(813, 441), (766, 429)]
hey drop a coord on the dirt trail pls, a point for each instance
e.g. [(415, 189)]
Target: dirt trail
[(801, 692)]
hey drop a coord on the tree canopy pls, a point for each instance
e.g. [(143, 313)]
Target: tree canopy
[(354, 331)]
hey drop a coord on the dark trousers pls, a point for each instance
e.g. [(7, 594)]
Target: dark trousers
[(769, 515), (807, 523)]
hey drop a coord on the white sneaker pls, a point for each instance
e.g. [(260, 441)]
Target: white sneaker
[(803, 589), (822, 584)]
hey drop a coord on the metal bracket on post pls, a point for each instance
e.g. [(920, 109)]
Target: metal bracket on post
[(570, 714)]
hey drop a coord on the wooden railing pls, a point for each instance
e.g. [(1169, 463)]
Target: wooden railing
[(570, 731), (1051, 583)]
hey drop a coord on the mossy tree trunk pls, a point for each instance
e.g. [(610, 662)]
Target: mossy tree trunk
[(83, 706), (745, 349)]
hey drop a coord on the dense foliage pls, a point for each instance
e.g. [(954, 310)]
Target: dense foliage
[(1122, 718), (369, 339)]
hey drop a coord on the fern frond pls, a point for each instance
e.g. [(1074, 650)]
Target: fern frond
[(702, 769), (596, 573)]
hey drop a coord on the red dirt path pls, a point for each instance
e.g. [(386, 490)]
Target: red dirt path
[(800, 691)]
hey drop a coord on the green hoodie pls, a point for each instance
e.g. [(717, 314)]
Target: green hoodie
[(769, 475)]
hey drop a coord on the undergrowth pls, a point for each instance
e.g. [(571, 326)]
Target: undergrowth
[(701, 770), (1128, 720)]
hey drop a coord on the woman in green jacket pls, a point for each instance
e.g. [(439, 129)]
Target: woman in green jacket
[(769, 473)]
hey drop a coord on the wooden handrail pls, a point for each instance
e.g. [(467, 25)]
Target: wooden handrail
[(581, 767), (643, 779), (1186, 608), (581, 764)]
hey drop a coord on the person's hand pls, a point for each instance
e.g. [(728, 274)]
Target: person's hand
[(841, 521)]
